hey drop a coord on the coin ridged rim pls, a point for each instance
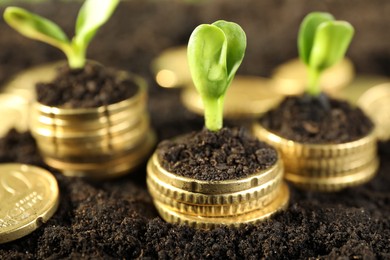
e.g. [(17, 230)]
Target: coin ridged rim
[(92, 122), (214, 187), (308, 150), (196, 198), (117, 129), (215, 209), (109, 136), (327, 167), (280, 203), (335, 183), (111, 167), (105, 146), (44, 213), (109, 155)]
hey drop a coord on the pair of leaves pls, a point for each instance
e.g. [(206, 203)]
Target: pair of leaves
[(90, 18), (322, 41), (215, 51)]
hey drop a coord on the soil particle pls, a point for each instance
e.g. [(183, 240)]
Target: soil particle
[(92, 86), (212, 156), (308, 120)]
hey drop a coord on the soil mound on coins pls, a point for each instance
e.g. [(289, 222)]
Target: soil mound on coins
[(214, 156), (309, 120), (92, 86)]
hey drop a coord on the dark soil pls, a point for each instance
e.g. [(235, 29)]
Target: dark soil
[(92, 86), (117, 220), (317, 120), (213, 156)]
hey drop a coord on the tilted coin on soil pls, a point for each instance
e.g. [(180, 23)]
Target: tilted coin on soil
[(29, 197)]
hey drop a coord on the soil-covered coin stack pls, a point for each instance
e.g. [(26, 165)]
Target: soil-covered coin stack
[(208, 179), (324, 148), (92, 122)]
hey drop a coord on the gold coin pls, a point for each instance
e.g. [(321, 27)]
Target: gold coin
[(359, 85), (171, 68), (14, 111), (375, 102), (104, 166), (240, 206), (207, 222), (334, 183), (29, 197), (163, 188), (294, 149), (92, 145), (324, 167), (214, 187), (23, 84), (248, 96), (327, 167), (291, 77)]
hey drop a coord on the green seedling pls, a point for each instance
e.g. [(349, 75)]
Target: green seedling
[(215, 51), (322, 42), (91, 17)]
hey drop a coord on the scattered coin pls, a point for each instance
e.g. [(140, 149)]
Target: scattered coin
[(354, 90), (14, 112), (171, 68), (375, 102), (29, 197), (291, 77), (248, 96), (23, 84)]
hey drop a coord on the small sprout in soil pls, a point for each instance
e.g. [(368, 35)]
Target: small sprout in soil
[(91, 17), (215, 51), (322, 42)]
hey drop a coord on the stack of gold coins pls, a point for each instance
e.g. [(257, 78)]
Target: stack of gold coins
[(206, 204), (98, 142), (325, 167)]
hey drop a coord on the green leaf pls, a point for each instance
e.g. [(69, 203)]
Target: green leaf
[(214, 54), (206, 51), (91, 17), (36, 27), (307, 33), (236, 45), (330, 44)]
